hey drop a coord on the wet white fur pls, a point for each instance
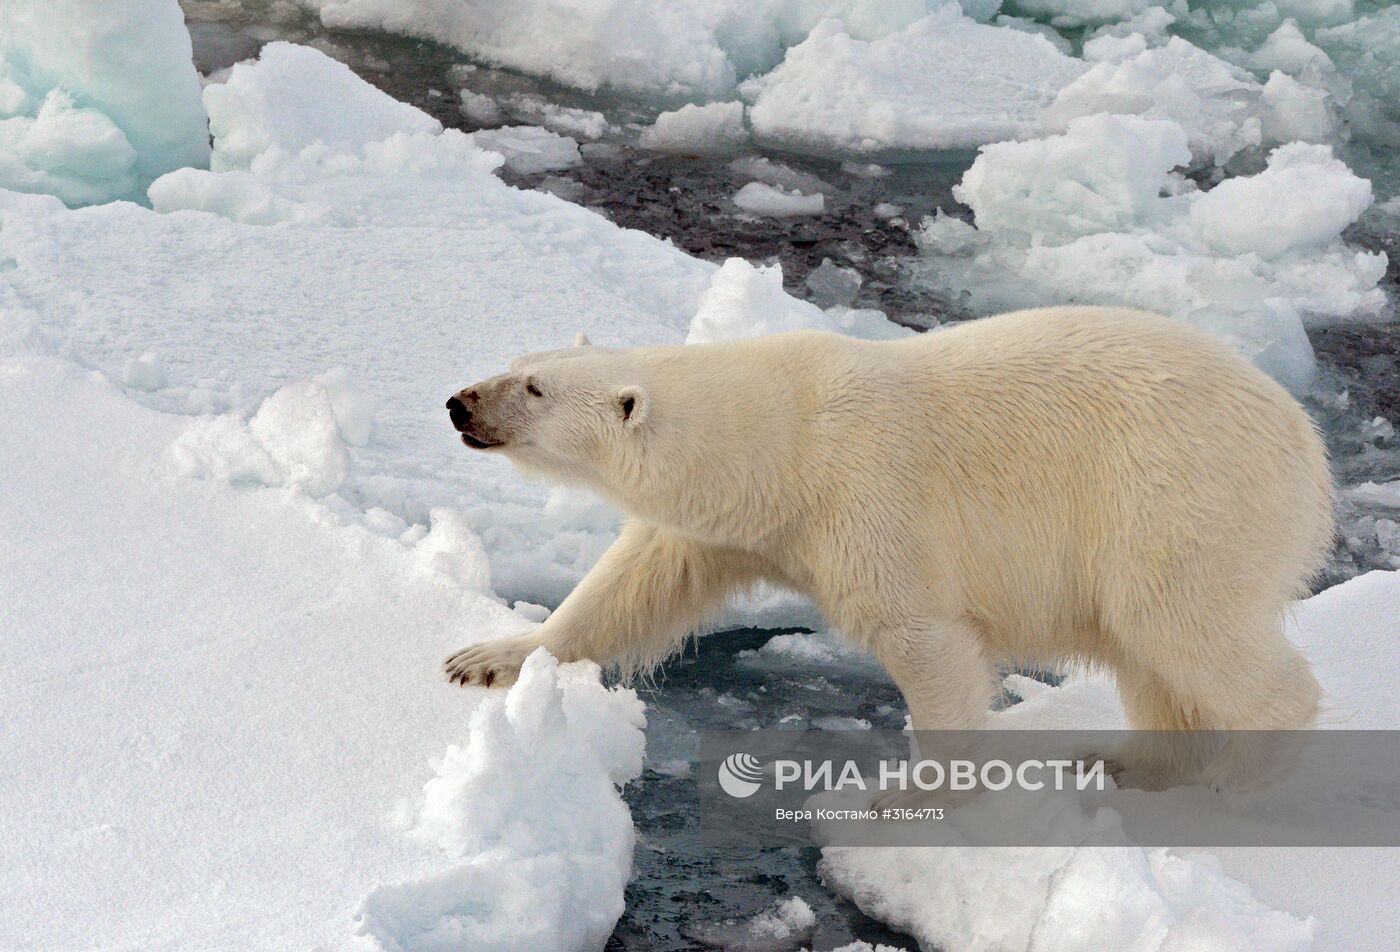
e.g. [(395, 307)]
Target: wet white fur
[(1084, 484)]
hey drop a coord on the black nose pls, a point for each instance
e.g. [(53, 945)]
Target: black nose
[(458, 412)]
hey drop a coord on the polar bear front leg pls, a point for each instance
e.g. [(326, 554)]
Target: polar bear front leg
[(947, 683), (491, 664), (648, 591), (939, 667)]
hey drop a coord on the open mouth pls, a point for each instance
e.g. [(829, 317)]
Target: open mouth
[(476, 444)]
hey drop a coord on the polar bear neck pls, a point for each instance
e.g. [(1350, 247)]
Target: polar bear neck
[(727, 425)]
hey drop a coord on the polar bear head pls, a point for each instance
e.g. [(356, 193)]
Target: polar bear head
[(573, 415)]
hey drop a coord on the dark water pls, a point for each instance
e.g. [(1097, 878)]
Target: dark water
[(677, 885)]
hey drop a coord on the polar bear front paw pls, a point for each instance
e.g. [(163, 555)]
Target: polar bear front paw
[(491, 664)]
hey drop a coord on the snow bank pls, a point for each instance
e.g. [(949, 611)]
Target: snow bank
[(293, 440), (699, 130), (219, 700), (96, 99), (1083, 217), (402, 257), (252, 114), (529, 806), (943, 82), (1125, 897), (1103, 894)]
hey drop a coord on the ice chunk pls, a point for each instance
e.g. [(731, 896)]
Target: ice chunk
[(833, 285), (744, 301), (943, 82), (96, 99), (529, 149), (677, 49), (1367, 52), (77, 154), (253, 112), (1295, 112), (784, 927), (1288, 50), (1080, 218), (757, 168), (801, 649), (480, 108), (714, 128), (1074, 13), (1301, 202), (763, 199), (565, 120), (1215, 102), (1056, 39), (1104, 174)]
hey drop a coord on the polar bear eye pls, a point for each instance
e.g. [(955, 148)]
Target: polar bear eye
[(534, 390)]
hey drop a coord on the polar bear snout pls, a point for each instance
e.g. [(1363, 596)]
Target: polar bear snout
[(458, 411), (463, 410)]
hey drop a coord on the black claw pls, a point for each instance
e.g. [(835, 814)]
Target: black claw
[(490, 678)]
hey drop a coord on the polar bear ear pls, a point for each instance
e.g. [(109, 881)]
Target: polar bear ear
[(632, 405), (581, 340)]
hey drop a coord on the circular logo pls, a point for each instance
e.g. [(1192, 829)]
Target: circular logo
[(740, 775)]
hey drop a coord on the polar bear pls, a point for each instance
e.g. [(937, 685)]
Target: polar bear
[(1068, 484)]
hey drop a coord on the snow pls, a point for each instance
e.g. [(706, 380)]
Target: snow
[(540, 769), (292, 440), (224, 694), (144, 372), (760, 198), (944, 82), (263, 555), (230, 492), (1082, 217), (1128, 897), (96, 99), (403, 258), (716, 128)]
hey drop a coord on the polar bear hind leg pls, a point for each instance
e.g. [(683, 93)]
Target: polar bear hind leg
[(1194, 671)]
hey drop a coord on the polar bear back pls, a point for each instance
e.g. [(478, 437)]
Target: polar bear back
[(1053, 459)]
